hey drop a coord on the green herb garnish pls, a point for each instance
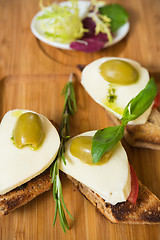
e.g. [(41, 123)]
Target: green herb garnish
[(111, 95), (69, 109), (116, 13), (104, 140)]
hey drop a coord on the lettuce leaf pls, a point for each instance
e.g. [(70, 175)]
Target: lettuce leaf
[(116, 13), (62, 23)]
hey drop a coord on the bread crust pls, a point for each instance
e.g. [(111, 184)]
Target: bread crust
[(25, 193), (146, 210), (142, 135), (145, 135)]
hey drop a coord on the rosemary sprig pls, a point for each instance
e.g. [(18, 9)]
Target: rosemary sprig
[(69, 109)]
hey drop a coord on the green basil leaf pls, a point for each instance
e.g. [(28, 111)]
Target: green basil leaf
[(127, 116), (104, 140), (138, 105), (116, 13)]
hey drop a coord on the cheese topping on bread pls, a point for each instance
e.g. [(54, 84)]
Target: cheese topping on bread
[(110, 178), (113, 82), (20, 165)]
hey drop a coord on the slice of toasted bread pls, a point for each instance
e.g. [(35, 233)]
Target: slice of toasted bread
[(146, 210), (25, 193), (143, 135)]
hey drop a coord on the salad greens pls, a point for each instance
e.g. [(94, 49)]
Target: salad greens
[(116, 13), (61, 23), (102, 22), (104, 140)]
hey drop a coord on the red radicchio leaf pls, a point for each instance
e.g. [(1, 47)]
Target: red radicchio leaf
[(89, 24), (90, 42)]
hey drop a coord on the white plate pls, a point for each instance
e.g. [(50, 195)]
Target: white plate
[(83, 6)]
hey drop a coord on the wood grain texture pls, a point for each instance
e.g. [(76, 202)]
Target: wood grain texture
[(34, 220), (34, 86), (21, 53)]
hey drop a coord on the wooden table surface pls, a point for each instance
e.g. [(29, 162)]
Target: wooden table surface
[(24, 60)]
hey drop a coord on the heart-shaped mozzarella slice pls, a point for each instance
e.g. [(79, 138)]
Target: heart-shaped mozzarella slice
[(20, 165), (110, 180), (114, 97)]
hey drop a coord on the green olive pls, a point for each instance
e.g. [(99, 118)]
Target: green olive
[(28, 131), (119, 72), (81, 149)]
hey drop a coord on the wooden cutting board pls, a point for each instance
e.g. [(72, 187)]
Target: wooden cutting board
[(42, 93)]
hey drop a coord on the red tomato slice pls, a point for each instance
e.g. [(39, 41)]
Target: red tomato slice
[(134, 186), (156, 101)]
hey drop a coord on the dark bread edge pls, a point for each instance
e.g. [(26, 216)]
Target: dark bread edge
[(146, 210), (25, 193)]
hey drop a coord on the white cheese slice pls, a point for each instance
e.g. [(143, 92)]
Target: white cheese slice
[(111, 181), (20, 165), (97, 87)]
